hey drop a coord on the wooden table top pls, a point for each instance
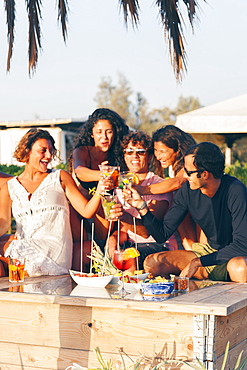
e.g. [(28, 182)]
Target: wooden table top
[(204, 297)]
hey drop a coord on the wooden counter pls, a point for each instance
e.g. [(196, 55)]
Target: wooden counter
[(44, 327)]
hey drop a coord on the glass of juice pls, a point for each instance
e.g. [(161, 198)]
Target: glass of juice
[(16, 270)]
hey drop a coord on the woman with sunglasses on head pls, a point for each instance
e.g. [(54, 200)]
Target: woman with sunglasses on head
[(137, 148), (169, 144)]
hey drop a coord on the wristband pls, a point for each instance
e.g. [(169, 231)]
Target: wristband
[(144, 205)]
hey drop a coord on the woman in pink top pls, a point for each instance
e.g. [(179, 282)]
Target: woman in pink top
[(137, 147)]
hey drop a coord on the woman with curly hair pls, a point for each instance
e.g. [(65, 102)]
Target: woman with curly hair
[(138, 153), (38, 199), (99, 142)]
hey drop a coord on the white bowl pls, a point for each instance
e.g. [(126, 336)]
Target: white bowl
[(83, 291), (90, 281)]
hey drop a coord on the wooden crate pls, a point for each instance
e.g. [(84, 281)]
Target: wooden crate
[(48, 331)]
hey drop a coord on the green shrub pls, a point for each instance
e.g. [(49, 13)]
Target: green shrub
[(239, 171), (17, 170)]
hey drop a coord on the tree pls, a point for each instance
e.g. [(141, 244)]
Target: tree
[(169, 11), (116, 97), (138, 114)]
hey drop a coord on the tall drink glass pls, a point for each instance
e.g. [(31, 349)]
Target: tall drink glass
[(123, 263)]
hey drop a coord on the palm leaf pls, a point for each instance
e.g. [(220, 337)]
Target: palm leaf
[(10, 15), (34, 33), (171, 20), (130, 7), (63, 10), (191, 7)]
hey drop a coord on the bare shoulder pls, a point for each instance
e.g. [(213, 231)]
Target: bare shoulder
[(65, 176), (4, 177)]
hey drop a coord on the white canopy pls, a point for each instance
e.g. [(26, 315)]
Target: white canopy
[(229, 116), (220, 123)]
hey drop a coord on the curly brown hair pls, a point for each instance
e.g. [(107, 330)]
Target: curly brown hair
[(23, 148), (138, 137)]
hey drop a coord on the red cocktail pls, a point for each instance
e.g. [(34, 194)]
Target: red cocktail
[(122, 262)]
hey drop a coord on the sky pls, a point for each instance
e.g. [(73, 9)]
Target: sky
[(99, 45)]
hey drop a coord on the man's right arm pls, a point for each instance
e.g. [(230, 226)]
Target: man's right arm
[(162, 230)]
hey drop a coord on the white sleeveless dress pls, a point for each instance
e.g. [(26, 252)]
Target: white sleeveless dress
[(42, 227)]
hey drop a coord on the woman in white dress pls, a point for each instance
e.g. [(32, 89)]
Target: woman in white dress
[(38, 200)]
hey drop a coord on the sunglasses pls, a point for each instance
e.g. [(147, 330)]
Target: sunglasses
[(189, 173), (139, 151)]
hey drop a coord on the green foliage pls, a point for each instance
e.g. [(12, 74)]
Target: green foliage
[(134, 107), (63, 166), (11, 169), (239, 171), (17, 170)]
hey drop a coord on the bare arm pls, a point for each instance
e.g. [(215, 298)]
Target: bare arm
[(5, 209), (81, 165), (165, 186), (78, 201), (86, 208)]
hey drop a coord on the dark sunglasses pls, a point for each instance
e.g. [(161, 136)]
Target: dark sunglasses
[(139, 151), (189, 173)]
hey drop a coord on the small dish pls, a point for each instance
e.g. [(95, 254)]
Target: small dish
[(160, 288), (90, 281)]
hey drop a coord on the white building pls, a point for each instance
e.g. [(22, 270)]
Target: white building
[(63, 132)]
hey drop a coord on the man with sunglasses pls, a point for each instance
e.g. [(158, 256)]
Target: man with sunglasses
[(218, 204)]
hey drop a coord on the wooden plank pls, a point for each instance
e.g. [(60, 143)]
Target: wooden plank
[(200, 300), (23, 357), (231, 328), (85, 328), (232, 296), (233, 355)]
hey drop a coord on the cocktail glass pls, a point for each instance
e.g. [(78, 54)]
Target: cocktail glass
[(16, 270), (107, 202), (126, 178), (122, 263), (110, 171)]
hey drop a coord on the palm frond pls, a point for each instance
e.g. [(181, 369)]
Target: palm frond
[(34, 32), (171, 20), (130, 7), (63, 10), (10, 20), (191, 7)]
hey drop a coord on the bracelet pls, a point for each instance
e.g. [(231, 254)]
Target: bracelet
[(144, 205)]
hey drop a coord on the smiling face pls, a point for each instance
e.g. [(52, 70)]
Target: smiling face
[(41, 154), (193, 179), (165, 155), (135, 162), (103, 135)]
